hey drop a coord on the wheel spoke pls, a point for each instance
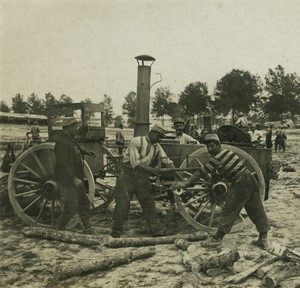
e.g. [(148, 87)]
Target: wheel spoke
[(30, 170), (52, 211), (34, 201), (198, 161), (212, 214), (194, 199), (42, 209), (25, 181), (39, 164), (27, 193), (201, 210)]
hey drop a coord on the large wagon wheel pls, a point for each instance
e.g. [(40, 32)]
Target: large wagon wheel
[(196, 205), (33, 193), (105, 185)]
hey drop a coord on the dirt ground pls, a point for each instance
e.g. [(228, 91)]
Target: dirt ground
[(29, 262)]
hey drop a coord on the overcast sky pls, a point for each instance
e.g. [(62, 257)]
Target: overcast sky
[(86, 49)]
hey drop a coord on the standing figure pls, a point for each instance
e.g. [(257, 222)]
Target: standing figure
[(255, 134), (120, 139), (269, 133), (69, 175), (280, 139), (140, 161), (35, 133), (243, 190), (182, 137), (242, 122)]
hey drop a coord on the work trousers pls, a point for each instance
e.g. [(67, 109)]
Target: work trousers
[(138, 184), (75, 201), (246, 194)]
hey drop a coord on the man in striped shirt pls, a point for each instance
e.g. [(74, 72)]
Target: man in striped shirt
[(243, 190), (140, 161)]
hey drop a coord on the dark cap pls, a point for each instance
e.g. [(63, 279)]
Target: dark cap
[(178, 120), (161, 130), (67, 121)]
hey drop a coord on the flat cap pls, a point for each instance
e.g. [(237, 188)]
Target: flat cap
[(158, 128), (178, 120), (67, 121), (211, 137)]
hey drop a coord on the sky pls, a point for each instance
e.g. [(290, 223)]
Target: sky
[(87, 48)]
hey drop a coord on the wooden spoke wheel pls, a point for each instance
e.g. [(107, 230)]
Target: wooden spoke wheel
[(198, 206), (105, 184), (32, 190)]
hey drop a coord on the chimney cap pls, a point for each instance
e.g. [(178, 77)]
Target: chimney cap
[(145, 58)]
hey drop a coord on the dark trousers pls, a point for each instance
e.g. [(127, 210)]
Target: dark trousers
[(74, 201), (120, 148), (130, 184), (244, 194), (279, 143)]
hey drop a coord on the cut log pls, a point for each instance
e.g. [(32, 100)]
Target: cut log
[(105, 263), (262, 271), (182, 244), (190, 263), (240, 277), (150, 241), (281, 273), (223, 259), (63, 236), (293, 282), (284, 252)]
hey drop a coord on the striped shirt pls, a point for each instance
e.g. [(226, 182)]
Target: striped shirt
[(226, 164)]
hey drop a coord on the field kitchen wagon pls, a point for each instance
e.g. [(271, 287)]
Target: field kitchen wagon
[(35, 196)]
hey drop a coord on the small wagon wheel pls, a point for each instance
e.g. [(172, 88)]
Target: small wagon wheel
[(105, 185), (32, 190), (196, 205)]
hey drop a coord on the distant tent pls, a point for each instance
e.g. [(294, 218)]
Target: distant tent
[(18, 118)]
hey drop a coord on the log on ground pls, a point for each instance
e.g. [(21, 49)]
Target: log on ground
[(190, 263), (223, 259), (262, 271), (242, 276), (106, 262), (182, 244), (63, 236), (284, 252), (281, 273), (150, 241), (293, 282)]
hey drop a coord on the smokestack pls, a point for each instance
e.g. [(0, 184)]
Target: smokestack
[(143, 95)]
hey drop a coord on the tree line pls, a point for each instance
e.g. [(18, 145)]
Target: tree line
[(238, 91)]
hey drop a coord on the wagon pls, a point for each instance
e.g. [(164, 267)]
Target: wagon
[(34, 194), (36, 199)]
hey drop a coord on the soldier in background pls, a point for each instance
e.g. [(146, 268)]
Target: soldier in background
[(35, 133), (269, 134), (120, 139), (182, 137), (242, 122)]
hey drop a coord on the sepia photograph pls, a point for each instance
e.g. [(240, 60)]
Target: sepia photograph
[(149, 143)]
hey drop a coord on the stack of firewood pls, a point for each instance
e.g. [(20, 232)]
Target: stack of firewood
[(281, 270)]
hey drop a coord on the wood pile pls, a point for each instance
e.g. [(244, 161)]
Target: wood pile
[(281, 270)]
